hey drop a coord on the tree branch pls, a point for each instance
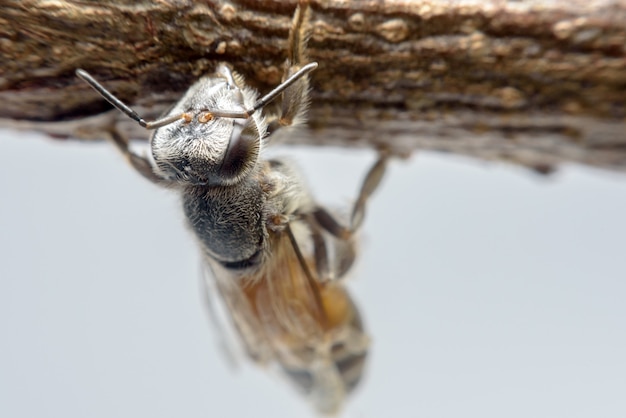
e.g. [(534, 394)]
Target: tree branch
[(525, 81)]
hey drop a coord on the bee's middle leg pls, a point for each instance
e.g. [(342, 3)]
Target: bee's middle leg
[(371, 182), (344, 251)]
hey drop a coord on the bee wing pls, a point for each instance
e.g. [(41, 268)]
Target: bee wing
[(216, 316), (226, 302)]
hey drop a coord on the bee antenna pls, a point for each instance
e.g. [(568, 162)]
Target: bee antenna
[(282, 86), (122, 107), (245, 114)]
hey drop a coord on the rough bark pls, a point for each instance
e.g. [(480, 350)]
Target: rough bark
[(532, 82)]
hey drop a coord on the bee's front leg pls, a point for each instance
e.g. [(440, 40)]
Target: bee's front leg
[(140, 163), (295, 99)]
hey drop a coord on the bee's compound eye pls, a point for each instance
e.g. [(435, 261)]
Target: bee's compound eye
[(243, 149)]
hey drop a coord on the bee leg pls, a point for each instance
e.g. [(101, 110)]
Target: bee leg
[(344, 251), (343, 247), (371, 182), (295, 98), (140, 163), (368, 187), (320, 252)]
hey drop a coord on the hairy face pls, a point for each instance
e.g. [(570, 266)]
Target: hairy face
[(209, 150)]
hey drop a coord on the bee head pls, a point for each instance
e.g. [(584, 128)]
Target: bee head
[(209, 147)]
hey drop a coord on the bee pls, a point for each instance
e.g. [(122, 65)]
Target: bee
[(277, 257)]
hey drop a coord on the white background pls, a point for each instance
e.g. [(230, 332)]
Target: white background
[(488, 291)]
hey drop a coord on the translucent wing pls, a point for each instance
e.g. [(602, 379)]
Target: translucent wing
[(313, 326), (282, 313), (228, 308), (217, 317)]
